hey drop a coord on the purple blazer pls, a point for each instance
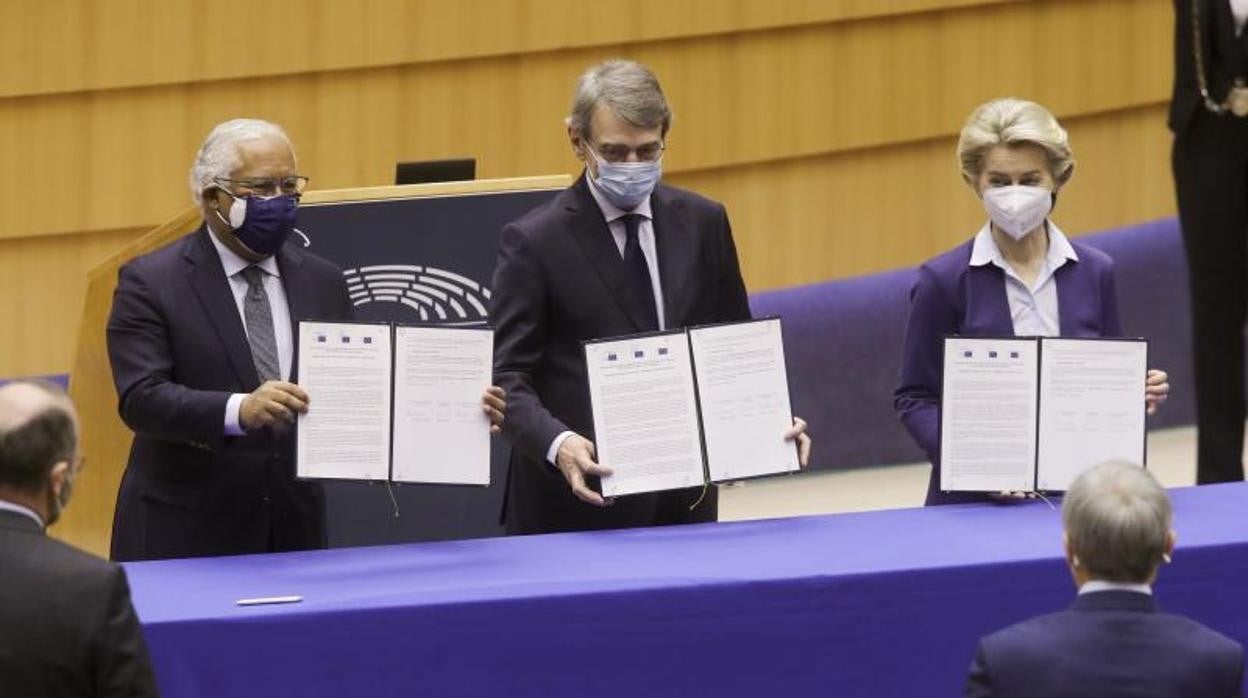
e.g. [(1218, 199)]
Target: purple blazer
[(950, 297)]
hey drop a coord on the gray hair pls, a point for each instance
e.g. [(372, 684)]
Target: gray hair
[(1010, 121), (1117, 521), (218, 156), (628, 88)]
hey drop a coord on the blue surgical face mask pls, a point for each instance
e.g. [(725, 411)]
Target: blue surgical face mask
[(262, 225), (626, 184)]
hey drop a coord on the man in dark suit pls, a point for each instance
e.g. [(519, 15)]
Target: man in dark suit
[(66, 624), (201, 344), (617, 253), (1113, 641)]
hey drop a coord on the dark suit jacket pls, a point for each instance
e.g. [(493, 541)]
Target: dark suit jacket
[(950, 297), (1109, 643), (1225, 56), (66, 624), (560, 280), (178, 350)]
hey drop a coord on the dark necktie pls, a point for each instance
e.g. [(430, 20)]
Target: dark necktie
[(638, 271), (259, 318)]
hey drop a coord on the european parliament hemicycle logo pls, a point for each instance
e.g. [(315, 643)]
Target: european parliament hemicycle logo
[(435, 295)]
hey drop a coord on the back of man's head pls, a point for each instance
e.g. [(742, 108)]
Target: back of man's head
[(37, 431), (1117, 520)]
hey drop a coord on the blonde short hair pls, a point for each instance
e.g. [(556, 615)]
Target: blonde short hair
[(1010, 121)]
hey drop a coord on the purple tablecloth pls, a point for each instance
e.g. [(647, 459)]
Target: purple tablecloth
[(880, 603)]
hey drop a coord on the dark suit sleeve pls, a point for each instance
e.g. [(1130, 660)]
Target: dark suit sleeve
[(121, 663), (733, 302), (518, 314), (151, 403), (978, 682), (917, 397)]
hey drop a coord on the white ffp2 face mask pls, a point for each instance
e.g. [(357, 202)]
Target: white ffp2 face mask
[(1018, 210)]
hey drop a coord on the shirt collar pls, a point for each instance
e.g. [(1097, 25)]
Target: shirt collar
[(609, 210), (1097, 585), (985, 251), (233, 263), (18, 508)]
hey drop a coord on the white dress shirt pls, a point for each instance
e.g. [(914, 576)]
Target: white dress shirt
[(234, 265), (1095, 585), (645, 239), (1033, 309), (11, 506)]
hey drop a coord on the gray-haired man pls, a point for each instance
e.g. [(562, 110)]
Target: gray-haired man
[(617, 253), (201, 344), (1113, 641)]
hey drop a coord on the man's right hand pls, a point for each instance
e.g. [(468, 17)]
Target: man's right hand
[(576, 460), (274, 404)]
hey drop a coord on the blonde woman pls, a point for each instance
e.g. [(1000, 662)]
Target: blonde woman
[(1019, 275)]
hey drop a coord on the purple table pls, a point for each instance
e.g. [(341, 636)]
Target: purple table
[(880, 603)]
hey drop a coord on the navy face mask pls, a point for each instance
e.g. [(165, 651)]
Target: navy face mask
[(262, 225)]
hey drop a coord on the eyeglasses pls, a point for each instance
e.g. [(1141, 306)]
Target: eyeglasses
[(615, 152), (264, 187)]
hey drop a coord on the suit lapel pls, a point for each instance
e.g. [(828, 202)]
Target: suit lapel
[(207, 279), (589, 229), (989, 310), (294, 280), (677, 251)]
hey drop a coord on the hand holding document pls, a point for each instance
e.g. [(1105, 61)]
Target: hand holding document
[(682, 408), (1026, 414), (398, 403)]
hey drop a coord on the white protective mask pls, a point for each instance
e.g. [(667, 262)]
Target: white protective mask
[(1018, 210), (627, 184)]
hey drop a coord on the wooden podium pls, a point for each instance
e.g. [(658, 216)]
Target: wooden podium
[(87, 522)]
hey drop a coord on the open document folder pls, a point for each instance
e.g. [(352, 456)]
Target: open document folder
[(685, 407), (1031, 414), (394, 402)]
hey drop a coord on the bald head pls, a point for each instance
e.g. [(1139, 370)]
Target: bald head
[(38, 429)]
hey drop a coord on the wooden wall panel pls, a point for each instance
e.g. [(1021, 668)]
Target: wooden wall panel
[(826, 126), (42, 282), (741, 99), (76, 45), (810, 219)]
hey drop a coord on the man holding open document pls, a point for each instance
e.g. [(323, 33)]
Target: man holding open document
[(615, 254), (202, 341)]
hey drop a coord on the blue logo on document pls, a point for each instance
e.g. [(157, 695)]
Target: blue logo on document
[(612, 357), (968, 354), (431, 294), (992, 354), (662, 351), (639, 355)]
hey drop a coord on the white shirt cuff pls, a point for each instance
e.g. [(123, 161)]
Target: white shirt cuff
[(552, 453), (232, 426)]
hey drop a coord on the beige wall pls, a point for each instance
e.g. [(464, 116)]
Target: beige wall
[(827, 127)]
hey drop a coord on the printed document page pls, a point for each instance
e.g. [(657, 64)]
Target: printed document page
[(1091, 406), (345, 369), (988, 415), (645, 413), (743, 388), (441, 434)]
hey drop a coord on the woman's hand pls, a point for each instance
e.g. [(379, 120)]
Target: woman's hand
[(1156, 389)]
